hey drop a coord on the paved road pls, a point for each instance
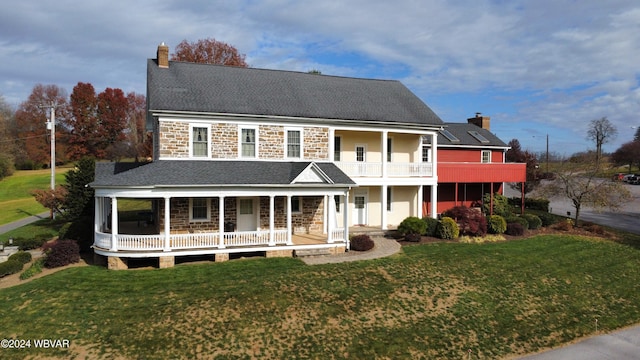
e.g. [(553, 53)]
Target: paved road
[(22, 222)]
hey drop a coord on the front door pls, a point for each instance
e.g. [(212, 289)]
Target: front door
[(247, 218), (360, 209)]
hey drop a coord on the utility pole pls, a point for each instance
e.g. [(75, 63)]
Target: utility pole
[(51, 125), (547, 155)]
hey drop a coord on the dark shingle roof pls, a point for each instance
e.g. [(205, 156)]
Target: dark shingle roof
[(461, 131), (210, 88), (180, 173)]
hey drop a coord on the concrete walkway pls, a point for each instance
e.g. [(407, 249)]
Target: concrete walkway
[(382, 248)]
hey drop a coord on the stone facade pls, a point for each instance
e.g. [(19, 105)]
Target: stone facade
[(173, 141)]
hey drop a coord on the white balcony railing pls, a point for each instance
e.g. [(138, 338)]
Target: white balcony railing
[(370, 169)]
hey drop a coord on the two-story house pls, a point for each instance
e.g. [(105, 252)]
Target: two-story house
[(273, 162), (471, 163)]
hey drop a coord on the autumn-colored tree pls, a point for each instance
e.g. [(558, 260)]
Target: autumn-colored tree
[(32, 137), (51, 199), (136, 120), (83, 123), (97, 122), (6, 139), (209, 51), (627, 154)]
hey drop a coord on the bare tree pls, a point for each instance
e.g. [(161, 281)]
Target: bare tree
[(578, 182), (601, 131)]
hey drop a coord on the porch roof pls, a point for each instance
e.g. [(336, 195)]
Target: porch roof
[(181, 173)]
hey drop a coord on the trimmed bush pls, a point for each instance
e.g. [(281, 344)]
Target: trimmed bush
[(61, 253), (447, 229), (361, 243), (470, 221), (412, 225), (432, 225), (496, 224), (517, 219), (35, 268), (547, 218), (564, 225), (10, 267), (30, 243), (534, 221), (500, 205), (514, 229), (21, 256)]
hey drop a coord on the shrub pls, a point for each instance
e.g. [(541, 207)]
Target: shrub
[(6, 166), (61, 253), (80, 230), (534, 221), (432, 225), (500, 205), (412, 225), (21, 256), (496, 224), (547, 218), (361, 243), (35, 268), (413, 237), (564, 225), (10, 267), (447, 229), (517, 219), (514, 229), (30, 243), (470, 221)]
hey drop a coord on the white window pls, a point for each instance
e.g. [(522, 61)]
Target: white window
[(361, 152), (199, 141), (296, 204), (486, 156), (199, 209), (246, 206), (426, 153), (248, 143), (337, 147), (293, 144)]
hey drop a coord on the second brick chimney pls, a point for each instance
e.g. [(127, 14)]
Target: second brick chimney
[(163, 56), (480, 121)]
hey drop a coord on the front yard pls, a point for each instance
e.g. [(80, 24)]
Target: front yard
[(440, 300)]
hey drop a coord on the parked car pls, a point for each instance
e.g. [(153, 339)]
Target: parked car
[(635, 179), (627, 178)]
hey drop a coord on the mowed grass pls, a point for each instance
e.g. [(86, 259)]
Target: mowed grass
[(16, 200), (436, 301)]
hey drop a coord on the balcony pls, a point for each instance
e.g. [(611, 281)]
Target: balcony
[(451, 172), (373, 169)]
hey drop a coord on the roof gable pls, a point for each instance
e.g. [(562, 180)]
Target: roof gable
[(206, 88)]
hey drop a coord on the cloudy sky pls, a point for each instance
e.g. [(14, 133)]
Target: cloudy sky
[(537, 67)]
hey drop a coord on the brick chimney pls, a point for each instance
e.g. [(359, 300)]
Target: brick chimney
[(480, 121), (163, 56)]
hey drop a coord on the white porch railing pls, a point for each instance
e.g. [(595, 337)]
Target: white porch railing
[(368, 169), (337, 235), (193, 241)]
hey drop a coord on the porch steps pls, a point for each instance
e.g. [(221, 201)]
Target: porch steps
[(311, 252)]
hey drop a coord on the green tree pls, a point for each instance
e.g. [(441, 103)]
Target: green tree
[(79, 201)]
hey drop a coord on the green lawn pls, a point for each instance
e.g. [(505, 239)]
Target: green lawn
[(16, 201), (430, 301)]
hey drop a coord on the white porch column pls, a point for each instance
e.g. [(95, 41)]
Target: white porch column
[(167, 224), (420, 200), (383, 206), (221, 221), (345, 218), (385, 136), (272, 222), (289, 227), (330, 219), (434, 201), (97, 214), (114, 224)]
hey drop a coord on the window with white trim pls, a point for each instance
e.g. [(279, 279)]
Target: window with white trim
[(336, 198), (389, 199), (248, 142), (486, 156), (389, 148), (199, 141), (294, 144), (296, 204), (426, 153), (199, 209)]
